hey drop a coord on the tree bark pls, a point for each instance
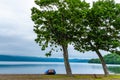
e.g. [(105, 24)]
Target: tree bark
[(66, 61), (103, 63)]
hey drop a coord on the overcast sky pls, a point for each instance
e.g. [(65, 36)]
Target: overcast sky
[(16, 31)]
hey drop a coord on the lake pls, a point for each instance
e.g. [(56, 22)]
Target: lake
[(41, 67)]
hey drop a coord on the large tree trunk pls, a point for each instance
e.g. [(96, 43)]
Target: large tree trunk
[(66, 61), (103, 63)]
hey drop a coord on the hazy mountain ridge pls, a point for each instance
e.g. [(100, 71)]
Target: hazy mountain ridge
[(37, 59)]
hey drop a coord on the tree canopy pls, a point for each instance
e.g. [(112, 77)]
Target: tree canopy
[(102, 29), (56, 23), (112, 58), (64, 22)]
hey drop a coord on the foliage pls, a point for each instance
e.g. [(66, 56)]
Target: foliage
[(56, 21), (94, 61), (63, 22), (109, 59), (102, 30)]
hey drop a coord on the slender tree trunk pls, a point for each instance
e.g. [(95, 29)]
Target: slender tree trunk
[(66, 61), (103, 63)]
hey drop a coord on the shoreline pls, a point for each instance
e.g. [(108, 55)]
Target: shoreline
[(58, 77)]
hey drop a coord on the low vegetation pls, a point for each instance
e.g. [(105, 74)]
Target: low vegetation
[(59, 77)]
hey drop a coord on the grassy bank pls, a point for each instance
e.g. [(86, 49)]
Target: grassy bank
[(58, 77)]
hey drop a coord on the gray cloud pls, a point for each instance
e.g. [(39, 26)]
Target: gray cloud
[(16, 31), (17, 46)]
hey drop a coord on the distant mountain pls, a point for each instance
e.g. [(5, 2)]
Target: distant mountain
[(38, 59)]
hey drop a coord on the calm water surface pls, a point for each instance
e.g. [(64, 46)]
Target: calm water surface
[(41, 67)]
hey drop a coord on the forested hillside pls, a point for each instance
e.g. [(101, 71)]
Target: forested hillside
[(37, 59), (109, 59)]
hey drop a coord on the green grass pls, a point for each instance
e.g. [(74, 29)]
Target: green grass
[(59, 77)]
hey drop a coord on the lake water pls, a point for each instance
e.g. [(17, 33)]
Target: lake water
[(41, 67)]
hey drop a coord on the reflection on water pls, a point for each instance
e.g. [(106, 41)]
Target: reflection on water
[(30, 68), (114, 69), (41, 67)]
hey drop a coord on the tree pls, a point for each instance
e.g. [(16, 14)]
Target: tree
[(55, 23), (112, 58), (102, 29)]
